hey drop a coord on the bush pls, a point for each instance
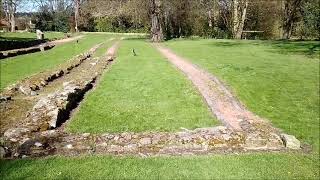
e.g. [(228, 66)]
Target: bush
[(118, 25)]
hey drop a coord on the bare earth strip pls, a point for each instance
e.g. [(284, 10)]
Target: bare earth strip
[(62, 41), (220, 100)]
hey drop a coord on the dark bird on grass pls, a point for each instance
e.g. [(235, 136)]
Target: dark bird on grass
[(134, 53), (77, 41)]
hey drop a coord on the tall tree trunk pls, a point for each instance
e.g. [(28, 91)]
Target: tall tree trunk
[(13, 23), (239, 17), (286, 21), (210, 17), (12, 10), (235, 16), (215, 13), (76, 14), (290, 16), (241, 24), (156, 29)]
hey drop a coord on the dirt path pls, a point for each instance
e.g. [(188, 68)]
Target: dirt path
[(62, 41), (220, 100)]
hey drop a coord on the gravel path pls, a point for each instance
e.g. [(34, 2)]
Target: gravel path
[(220, 100)]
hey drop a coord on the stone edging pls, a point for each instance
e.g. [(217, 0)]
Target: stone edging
[(31, 84)]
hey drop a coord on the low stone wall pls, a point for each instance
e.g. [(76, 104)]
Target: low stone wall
[(48, 113), (17, 52), (21, 142), (9, 45), (31, 84)]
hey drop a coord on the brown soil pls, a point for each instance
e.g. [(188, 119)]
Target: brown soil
[(62, 41)]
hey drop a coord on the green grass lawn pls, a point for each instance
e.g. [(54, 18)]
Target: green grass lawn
[(28, 35), (255, 166), (19, 67), (141, 93), (278, 80)]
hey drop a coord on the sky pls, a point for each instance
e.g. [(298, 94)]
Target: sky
[(26, 6)]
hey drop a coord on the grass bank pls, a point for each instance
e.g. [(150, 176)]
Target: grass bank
[(141, 93)]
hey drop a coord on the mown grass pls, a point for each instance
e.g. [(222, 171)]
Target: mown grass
[(278, 80), (23, 36), (141, 93), (254, 166), (281, 67), (104, 47), (19, 67)]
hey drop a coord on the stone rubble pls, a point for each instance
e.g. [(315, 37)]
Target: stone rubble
[(30, 85), (191, 142), (290, 141)]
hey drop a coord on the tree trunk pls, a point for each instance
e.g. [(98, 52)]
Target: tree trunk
[(290, 16), (239, 17), (210, 17), (156, 29), (286, 21), (76, 14), (235, 16), (215, 13), (13, 23), (243, 18), (12, 11)]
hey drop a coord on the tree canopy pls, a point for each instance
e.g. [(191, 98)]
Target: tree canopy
[(166, 19)]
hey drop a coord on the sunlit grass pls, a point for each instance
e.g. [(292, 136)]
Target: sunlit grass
[(278, 80), (249, 166), (141, 93)]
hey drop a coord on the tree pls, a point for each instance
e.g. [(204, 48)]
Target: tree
[(53, 15), (76, 13), (310, 22), (291, 15), (156, 24), (11, 6), (239, 17)]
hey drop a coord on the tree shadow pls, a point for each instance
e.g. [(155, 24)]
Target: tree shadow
[(16, 39), (308, 48), (9, 43), (136, 38), (227, 44)]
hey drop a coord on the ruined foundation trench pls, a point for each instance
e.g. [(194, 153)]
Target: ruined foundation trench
[(40, 131), (40, 47), (26, 93)]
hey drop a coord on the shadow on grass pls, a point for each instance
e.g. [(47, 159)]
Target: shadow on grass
[(307, 48), (16, 39), (9, 43)]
